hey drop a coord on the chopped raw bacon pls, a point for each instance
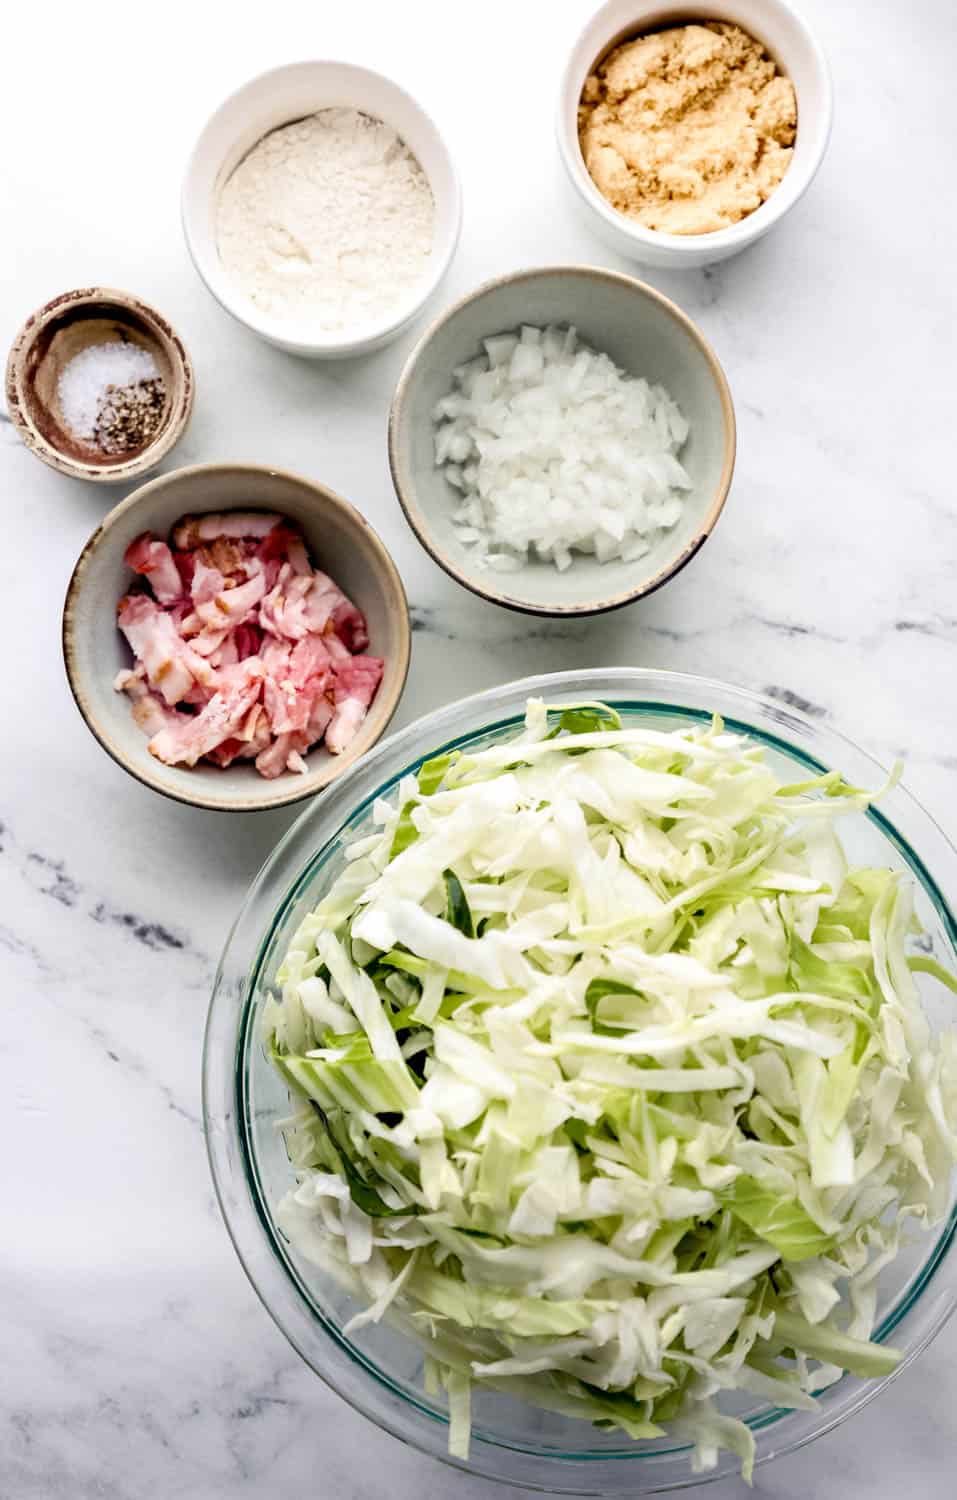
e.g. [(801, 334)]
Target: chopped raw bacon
[(284, 609), (149, 710), (326, 602), (227, 525), (185, 567), (172, 666), (206, 583), (356, 684), (249, 639), (225, 655), (225, 556), (319, 718), (243, 650), (189, 741), (292, 689), (234, 605), (154, 561), (336, 649), (208, 642), (272, 762), (255, 733), (284, 544)]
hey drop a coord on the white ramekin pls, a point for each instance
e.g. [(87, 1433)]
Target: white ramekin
[(276, 98), (793, 48)]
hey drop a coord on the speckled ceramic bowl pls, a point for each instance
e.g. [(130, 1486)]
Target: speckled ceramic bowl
[(342, 543), (645, 334), (46, 343)]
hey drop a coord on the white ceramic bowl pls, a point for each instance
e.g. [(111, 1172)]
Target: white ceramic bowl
[(276, 98), (797, 54)]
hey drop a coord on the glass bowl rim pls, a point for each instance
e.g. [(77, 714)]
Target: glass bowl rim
[(397, 750)]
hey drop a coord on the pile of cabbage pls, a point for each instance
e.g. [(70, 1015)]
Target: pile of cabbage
[(612, 1080)]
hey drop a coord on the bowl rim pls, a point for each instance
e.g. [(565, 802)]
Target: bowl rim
[(275, 331), (416, 516), (33, 438), (225, 1057), (314, 781), (722, 242)]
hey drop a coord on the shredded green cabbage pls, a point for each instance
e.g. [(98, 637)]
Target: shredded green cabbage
[(613, 1082)]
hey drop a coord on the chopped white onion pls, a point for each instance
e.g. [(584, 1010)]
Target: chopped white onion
[(553, 451)]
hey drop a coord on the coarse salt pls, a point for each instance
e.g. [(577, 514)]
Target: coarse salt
[(86, 379)]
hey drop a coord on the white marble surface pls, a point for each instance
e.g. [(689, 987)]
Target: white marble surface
[(135, 1362)]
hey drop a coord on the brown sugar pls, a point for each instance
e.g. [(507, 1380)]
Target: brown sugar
[(688, 130)]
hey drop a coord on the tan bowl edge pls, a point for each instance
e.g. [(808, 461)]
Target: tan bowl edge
[(316, 781), (35, 441), (416, 519)]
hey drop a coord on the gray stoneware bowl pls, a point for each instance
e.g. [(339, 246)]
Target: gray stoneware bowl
[(341, 542), (645, 334)]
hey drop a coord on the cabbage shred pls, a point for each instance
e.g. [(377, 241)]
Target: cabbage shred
[(613, 1084)]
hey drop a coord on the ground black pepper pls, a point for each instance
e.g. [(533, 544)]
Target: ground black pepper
[(128, 416)]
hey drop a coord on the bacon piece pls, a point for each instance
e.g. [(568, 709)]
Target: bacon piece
[(222, 601), (275, 656), (309, 660), (272, 761), (356, 685), (226, 556), (209, 641), (349, 624), (272, 567), (327, 602), (238, 689), (255, 733), (155, 562), (198, 696), (185, 567), (223, 755), (322, 711), (249, 639), (285, 544), (189, 623), (252, 737), (286, 751), (150, 713), (193, 531), (226, 654), (283, 610), (294, 683), (206, 584), (181, 613), (336, 649), (171, 665), (234, 605)]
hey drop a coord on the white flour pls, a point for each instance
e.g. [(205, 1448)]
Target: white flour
[(327, 222)]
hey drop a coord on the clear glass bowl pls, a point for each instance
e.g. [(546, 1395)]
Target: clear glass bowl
[(379, 1370)]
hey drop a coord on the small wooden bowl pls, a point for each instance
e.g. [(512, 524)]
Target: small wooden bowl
[(47, 342)]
